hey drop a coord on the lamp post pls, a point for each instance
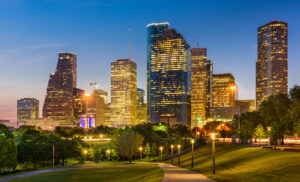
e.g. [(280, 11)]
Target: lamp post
[(108, 152), (192, 165), (198, 134), (178, 146), (269, 130), (141, 149), (85, 152), (233, 88), (161, 149), (213, 153), (86, 124), (172, 146), (87, 102)]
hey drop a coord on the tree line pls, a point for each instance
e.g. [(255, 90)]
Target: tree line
[(277, 117)]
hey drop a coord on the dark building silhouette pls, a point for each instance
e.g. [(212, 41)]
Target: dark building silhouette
[(59, 101), (272, 61)]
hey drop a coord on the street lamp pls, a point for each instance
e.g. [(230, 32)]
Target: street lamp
[(172, 146), (198, 134), (108, 152), (87, 102), (233, 88), (161, 149), (269, 130), (192, 152), (179, 146), (213, 153), (85, 152), (141, 149)]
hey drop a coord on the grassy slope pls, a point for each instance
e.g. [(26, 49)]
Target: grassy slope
[(113, 174), (246, 164)]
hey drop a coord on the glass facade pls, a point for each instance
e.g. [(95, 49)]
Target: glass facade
[(59, 101), (154, 30), (170, 79), (123, 93), (27, 109), (272, 63), (201, 73)]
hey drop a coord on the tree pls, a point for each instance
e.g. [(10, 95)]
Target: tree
[(128, 143), (154, 149), (147, 150), (64, 148), (259, 132), (8, 150), (276, 112), (34, 147)]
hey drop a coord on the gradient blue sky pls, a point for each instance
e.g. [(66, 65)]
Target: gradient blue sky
[(33, 32)]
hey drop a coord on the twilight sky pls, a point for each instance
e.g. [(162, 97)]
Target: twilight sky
[(33, 32)]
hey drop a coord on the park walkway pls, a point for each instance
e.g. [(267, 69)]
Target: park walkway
[(33, 173), (7, 178), (178, 174)]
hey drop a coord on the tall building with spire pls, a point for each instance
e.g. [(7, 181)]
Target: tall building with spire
[(154, 30), (170, 79), (58, 103), (272, 61), (201, 74), (123, 93)]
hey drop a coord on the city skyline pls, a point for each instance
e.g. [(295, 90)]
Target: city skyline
[(41, 53)]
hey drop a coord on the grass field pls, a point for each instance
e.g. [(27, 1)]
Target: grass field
[(109, 174), (236, 163)]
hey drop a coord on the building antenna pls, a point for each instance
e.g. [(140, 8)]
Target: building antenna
[(197, 45), (129, 31)]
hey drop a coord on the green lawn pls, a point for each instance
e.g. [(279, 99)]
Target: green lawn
[(113, 174), (236, 163)]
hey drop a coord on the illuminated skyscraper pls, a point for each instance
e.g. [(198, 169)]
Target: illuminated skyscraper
[(123, 93), (59, 103), (100, 97), (223, 90), (272, 63), (154, 30), (201, 86), (79, 104), (27, 109), (223, 96), (170, 79)]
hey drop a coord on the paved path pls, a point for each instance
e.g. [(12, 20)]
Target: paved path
[(65, 168), (178, 174), (33, 173)]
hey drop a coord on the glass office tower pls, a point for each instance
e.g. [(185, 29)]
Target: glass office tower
[(272, 63), (154, 30), (170, 79)]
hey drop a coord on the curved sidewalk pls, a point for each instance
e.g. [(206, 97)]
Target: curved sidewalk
[(178, 174)]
